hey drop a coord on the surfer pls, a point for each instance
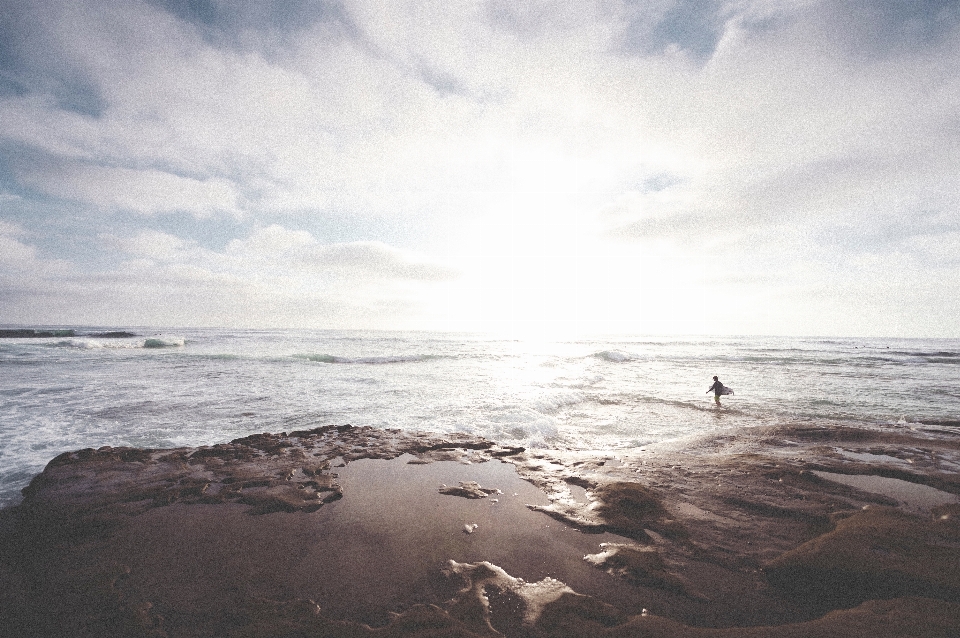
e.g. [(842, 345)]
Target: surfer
[(717, 389)]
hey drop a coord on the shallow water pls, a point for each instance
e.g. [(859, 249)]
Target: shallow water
[(394, 520), (383, 547), (202, 386), (912, 497)]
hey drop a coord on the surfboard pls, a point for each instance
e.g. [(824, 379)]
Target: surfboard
[(726, 390)]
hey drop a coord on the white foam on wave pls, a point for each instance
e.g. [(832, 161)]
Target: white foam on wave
[(615, 356), (552, 404), (519, 424), (164, 342), (88, 343), (330, 358), (78, 343)]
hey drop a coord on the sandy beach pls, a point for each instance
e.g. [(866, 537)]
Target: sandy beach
[(346, 531)]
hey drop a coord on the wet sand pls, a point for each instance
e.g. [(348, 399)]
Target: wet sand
[(343, 531)]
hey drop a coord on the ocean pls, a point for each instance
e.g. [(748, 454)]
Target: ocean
[(87, 387)]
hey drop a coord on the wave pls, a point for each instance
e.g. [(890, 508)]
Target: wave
[(92, 344), (80, 344), (551, 405), (97, 340), (164, 342), (83, 343), (942, 354), (330, 358), (946, 423), (698, 405), (614, 356)]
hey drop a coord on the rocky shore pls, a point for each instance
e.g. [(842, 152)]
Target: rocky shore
[(346, 531)]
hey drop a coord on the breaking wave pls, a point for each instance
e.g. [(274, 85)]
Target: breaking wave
[(80, 344), (85, 343), (615, 356), (164, 342), (330, 358)]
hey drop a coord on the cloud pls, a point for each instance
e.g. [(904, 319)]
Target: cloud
[(273, 277), (237, 23), (885, 28), (786, 126), (13, 253), (299, 251), (149, 244), (775, 140), (146, 192), (271, 242), (377, 259)]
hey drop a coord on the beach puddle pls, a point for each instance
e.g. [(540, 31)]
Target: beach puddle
[(912, 497), (386, 545), (387, 541)]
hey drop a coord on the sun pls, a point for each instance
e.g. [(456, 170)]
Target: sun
[(538, 261)]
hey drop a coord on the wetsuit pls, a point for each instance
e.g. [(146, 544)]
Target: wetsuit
[(717, 388)]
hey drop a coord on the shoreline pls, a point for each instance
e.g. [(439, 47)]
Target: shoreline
[(343, 531)]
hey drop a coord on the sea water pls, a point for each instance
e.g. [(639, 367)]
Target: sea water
[(87, 387)]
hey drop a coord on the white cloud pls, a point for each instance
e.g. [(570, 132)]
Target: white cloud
[(24, 272), (770, 140), (150, 244), (272, 242), (147, 192), (298, 251), (275, 277), (10, 229), (12, 252)]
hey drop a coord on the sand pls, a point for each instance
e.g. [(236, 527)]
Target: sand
[(342, 531)]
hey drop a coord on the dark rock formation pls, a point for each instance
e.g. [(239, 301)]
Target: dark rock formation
[(717, 543)]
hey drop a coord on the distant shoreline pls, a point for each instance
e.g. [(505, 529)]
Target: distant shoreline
[(27, 333)]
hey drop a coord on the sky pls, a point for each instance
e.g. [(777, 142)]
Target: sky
[(528, 168)]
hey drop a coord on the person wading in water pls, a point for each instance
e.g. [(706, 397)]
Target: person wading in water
[(717, 389)]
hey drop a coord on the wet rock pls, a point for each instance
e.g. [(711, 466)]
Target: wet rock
[(631, 508), (508, 451), (878, 552), (638, 565), (229, 472), (27, 333), (279, 498), (575, 615), (469, 489), (626, 508), (899, 618), (228, 452), (738, 511)]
